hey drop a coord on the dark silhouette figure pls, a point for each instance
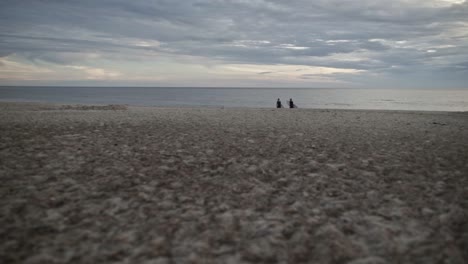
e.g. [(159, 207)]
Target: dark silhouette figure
[(278, 104), (291, 103)]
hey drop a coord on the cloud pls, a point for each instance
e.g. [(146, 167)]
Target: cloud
[(96, 73), (182, 40)]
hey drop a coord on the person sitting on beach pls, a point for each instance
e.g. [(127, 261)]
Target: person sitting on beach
[(291, 103), (278, 104)]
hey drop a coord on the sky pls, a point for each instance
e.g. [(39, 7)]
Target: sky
[(236, 43)]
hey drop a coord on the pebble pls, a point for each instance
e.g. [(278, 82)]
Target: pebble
[(252, 169), (209, 151), (427, 211), (176, 185)]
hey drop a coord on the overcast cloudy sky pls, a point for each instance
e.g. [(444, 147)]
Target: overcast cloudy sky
[(244, 43)]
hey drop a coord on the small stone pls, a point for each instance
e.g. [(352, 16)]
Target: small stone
[(164, 168), (223, 207), (283, 181), (127, 236), (148, 188), (316, 211), (337, 167), (176, 185), (322, 158), (372, 195), (427, 211), (144, 196), (53, 215), (41, 155), (313, 164), (252, 168), (69, 182), (295, 207), (153, 183)]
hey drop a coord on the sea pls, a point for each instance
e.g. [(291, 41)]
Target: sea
[(319, 98)]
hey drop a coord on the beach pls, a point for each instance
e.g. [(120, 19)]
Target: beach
[(125, 184)]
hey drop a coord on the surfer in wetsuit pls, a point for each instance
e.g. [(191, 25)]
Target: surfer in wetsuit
[(278, 104)]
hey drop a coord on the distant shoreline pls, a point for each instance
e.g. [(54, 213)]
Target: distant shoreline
[(75, 106), (232, 87)]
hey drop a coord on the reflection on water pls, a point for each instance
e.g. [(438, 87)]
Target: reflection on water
[(392, 99)]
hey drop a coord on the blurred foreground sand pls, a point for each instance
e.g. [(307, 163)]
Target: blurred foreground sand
[(205, 185)]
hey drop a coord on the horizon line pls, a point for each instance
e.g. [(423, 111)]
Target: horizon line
[(230, 87)]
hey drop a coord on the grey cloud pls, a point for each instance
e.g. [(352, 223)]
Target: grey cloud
[(458, 68), (215, 29)]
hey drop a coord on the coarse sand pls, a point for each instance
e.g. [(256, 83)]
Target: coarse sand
[(102, 184)]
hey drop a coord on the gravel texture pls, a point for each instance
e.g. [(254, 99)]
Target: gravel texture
[(84, 184)]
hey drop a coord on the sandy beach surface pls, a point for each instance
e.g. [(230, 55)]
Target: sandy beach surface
[(101, 184)]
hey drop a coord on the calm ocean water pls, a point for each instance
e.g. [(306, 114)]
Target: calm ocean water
[(390, 99)]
